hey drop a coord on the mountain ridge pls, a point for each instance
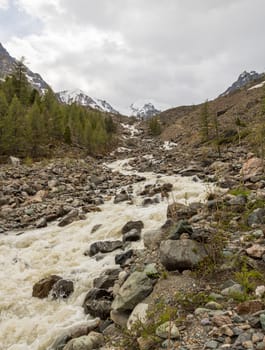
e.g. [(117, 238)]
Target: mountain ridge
[(7, 64)]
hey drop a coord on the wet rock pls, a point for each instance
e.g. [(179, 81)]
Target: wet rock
[(95, 228), (62, 289), (181, 254), (97, 303), (75, 332), (177, 211), (103, 247), (120, 259), (134, 290), (106, 279), (87, 342), (132, 225), (132, 235), (168, 330), (41, 223), (121, 197), (42, 288), (69, 218)]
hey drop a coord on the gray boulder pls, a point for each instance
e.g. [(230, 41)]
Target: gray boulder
[(91, 341), (106, 279), (130, 225), (133, 291), (97, 303), (257, 217), (181, 254), (103, 247)]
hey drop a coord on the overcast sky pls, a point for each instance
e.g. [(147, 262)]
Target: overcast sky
[(171, 52)]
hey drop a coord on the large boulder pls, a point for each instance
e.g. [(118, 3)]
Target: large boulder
[(181, 254), (178, 211), (97, 303), (252, 167), (106, 279), (133, 291), (132, 231), (103, 247), (91, 341), (130, 225), (62, 289), (257, 217), (69, 218), (120, 259), (42, 288)]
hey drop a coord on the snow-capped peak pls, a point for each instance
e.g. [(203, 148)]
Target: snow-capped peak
[(145, 110), (81, 98)]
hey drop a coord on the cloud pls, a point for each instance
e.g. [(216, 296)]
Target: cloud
[(181, 52), (4, 4)]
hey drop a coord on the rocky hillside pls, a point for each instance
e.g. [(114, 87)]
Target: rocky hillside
[(236, 112), (7, 65), (244, 79)]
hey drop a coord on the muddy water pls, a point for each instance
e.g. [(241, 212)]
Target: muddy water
[(28, 323)]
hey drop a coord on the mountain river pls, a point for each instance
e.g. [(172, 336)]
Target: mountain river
[(28, 323)]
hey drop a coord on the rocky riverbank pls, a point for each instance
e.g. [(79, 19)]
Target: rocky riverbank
[(196, 281)]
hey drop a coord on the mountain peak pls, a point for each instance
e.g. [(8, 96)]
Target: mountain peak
[(145, 111), (81, 98), (7, 64), (243, 79)]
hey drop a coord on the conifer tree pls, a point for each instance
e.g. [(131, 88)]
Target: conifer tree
[(36, 133), (14, 140)]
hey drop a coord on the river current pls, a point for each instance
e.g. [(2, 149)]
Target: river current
[(28, 323)]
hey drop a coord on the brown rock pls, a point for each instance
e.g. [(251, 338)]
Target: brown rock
[(250, 307), (42, 288), (256, 251), (221, 320), (252, 167)]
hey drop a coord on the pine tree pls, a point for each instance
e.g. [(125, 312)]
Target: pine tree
[(14, 140), (3, 113), (36, 133)]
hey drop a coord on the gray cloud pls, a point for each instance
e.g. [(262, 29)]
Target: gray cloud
[(173, 52)]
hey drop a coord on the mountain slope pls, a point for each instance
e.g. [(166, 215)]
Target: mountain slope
[(81, 98), (7, 64), (243, 79)]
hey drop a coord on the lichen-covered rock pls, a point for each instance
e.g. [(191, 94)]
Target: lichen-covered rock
[(181, 254), (134, 290), (91, 341)]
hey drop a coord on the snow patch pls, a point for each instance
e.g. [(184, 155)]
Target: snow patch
[(257, 86)]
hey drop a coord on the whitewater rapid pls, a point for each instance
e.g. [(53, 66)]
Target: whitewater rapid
[(28, 323)]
